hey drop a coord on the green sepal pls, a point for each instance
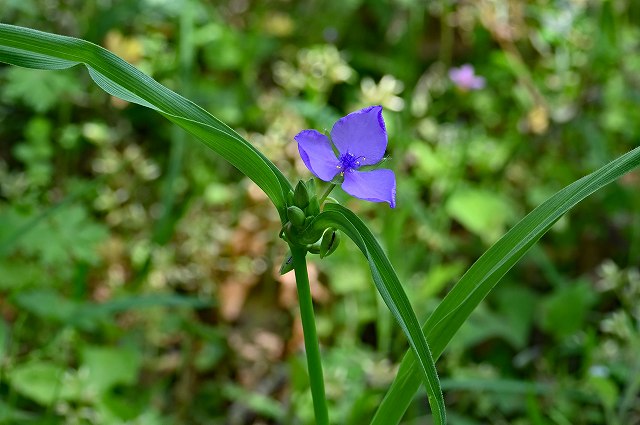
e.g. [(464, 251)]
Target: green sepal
[(314, 207), (290, 197), (311, 187), (296, 216), (329, 243), (289, 234), (287, 264)]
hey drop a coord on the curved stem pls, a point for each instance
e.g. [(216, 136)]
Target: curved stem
[(312, 348), (326, 193)]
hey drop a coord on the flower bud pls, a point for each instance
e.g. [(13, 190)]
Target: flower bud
[(296, 216), (311, 186), (329, 243), (314, 207), (290, 197), (301, 195), (287, 232)]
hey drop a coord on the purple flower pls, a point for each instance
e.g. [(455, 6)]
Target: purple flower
[(360, 139), (465, 79)]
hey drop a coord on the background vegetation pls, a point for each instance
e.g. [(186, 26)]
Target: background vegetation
[(138, 271)]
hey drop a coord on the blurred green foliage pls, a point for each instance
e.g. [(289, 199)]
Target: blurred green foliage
[(138, 272)]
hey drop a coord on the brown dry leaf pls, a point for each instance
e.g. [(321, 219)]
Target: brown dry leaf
[(296, 342), (630, 179), (8, 311), (257, 350), (249, 237), (538, 119), (233, 294), (503, 18), (255, 193), (169, 362), (278, 24), (128, 48), (118, 103), (270, 344), (288, 291)]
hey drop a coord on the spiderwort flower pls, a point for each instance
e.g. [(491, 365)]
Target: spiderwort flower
[(465, 79), (360, 139)]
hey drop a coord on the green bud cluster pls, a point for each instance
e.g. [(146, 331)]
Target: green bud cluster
[(303, 207)]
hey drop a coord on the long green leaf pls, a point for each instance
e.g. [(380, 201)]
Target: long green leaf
[(486, 272), (35, 49), (389, 286)]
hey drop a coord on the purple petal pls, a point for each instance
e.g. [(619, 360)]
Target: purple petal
[(466, 71), (465, 78), (316, 152), (461, 74), (374, 186), (478, 83), (362, 134)]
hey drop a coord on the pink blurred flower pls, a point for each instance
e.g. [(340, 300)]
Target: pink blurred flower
[(465, 78)]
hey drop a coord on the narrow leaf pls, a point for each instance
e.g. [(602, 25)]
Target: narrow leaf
[(394, 296), (486, 272), (35, 49)]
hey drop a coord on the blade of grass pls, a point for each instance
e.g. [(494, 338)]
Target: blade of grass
[(165, 226), (394, 296), (35, 49), (485, 274)]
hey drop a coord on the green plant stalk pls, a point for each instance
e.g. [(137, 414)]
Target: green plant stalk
[(312, 348), (165, 226), (326, 193), (446, 36)]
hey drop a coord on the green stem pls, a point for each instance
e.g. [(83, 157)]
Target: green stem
[(326, 193), (311, 345), (446, 36), (165, 226)]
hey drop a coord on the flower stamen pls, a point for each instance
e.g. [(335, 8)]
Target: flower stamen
[(349, 162)]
